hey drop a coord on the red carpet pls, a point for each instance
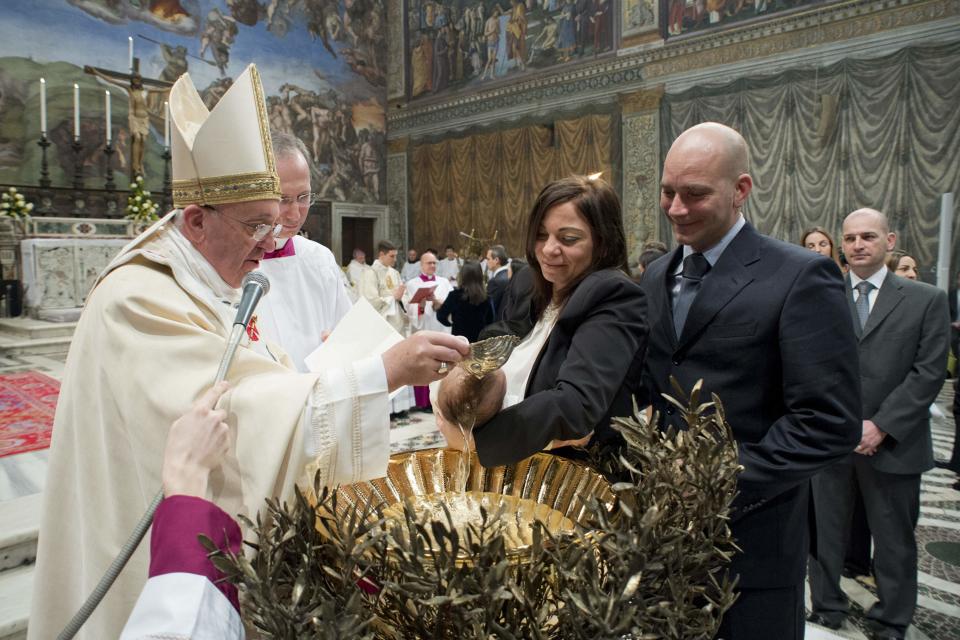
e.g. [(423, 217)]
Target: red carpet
[(27, 402)]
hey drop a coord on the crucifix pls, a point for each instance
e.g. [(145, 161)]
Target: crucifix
[(138, 90), (475, 246)]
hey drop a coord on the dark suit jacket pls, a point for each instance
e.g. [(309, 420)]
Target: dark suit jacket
[(496, 286), (586, 373), (903, 356), (770, 333)]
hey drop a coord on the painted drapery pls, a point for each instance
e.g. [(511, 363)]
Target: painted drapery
[(881, 133), (489, 181)]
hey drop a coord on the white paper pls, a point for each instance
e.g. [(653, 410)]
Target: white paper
[(360, 334)]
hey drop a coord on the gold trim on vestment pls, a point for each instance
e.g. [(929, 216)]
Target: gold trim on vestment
[(263, 121), (245, 187)]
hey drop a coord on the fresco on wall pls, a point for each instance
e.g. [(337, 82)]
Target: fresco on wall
[(640, 16), (454, 45), (322, 64), (692, 16)]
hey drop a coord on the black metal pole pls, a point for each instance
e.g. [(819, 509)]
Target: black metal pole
[(108, 151), (78, 165), (167, 200), (44, 168)]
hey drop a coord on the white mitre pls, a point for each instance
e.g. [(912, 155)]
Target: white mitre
[(224, 155)]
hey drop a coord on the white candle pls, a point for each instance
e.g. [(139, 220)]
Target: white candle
[(43, 106), (109, 119), (166, 125), (130, 52), (76, 111)]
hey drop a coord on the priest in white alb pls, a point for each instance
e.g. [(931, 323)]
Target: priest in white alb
[(307, 293), (423, 296), (149, 343)]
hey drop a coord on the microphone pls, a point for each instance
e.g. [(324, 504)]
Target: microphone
[(255, 286)]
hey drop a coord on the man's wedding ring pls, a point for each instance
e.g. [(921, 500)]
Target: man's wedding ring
[(444, 367)]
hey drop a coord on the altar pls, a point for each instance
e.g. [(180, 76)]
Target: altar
[(61, 260)]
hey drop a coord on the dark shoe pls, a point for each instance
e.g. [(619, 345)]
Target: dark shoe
[(956, 485), (829, 620), (880, 631)]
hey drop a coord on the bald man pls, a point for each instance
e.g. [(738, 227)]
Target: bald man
[(903, 329), (766, 325)]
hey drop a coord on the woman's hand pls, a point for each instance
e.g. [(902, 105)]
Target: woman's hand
[(196, 444)]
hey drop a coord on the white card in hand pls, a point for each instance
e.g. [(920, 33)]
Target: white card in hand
[(360, 334)]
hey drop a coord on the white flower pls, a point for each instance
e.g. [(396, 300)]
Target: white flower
[(12, 189), (138, 198), (29, 206), (5, 206)]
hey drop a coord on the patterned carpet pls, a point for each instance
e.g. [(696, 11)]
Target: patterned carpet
[(28, 400)]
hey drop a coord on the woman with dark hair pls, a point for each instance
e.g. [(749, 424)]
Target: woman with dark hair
[(581, 361), (467, 309), (819, 240), (904, 265)]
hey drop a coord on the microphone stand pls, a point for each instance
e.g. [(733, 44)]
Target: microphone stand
[(140, 530)]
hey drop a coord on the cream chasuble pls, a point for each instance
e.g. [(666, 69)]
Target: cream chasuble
[(147, 346), (307, 297)]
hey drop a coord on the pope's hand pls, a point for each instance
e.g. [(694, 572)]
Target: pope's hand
[(399, 291), (196, 444), (418, 359)]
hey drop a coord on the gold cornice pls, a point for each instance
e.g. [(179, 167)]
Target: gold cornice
[(398, 145), (810, 36), (639, 101)]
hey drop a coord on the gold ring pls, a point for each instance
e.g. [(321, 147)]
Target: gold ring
[(444, 367)]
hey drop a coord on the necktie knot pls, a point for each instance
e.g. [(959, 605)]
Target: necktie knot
[(695, 267), (864, 287)]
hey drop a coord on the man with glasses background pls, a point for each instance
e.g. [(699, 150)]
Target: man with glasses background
[(308, 294)]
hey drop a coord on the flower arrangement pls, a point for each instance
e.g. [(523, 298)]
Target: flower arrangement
[(140, 208), (15, 208), (655, 566)]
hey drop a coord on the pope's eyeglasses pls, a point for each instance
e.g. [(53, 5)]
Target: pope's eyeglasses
[(257, 231)]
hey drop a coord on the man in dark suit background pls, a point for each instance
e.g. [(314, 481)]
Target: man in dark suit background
[(497, 276), (903, 332), (766, 326)]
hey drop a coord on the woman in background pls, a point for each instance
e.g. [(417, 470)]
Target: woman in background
[(903, 265), (819, 240), (467, 309)]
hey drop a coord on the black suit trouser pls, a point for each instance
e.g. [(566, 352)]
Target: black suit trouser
[(892, 503), (763, 614)]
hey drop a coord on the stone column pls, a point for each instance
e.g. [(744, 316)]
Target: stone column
[(640, 130), (399, 224)]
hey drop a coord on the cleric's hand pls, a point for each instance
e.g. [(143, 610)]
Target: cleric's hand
[(422, 358), (196, 444)]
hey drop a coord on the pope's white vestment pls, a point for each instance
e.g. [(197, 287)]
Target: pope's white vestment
[(147, 345), (306, 298)]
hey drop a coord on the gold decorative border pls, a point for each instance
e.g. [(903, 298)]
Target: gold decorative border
[(263, 121), (246, 187)]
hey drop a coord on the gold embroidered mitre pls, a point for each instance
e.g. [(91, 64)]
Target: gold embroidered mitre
[(224, 155)]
